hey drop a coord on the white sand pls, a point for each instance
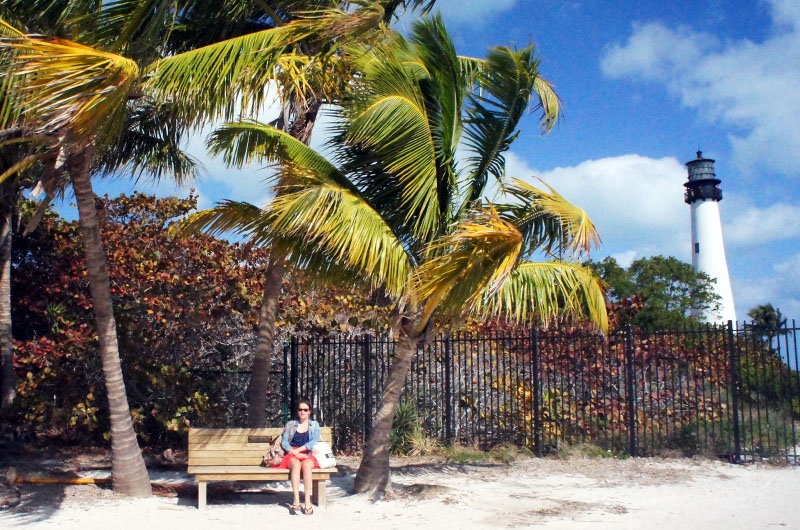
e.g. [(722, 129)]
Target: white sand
[(540, 493)]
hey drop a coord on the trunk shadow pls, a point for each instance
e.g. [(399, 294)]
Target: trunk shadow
[(38, 502)]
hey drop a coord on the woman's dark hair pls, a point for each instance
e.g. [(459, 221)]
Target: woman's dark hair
[(306, 402)]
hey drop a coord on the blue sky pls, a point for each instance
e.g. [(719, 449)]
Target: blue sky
[(644, 84)]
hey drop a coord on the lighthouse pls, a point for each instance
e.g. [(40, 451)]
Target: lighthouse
[(708, 252)]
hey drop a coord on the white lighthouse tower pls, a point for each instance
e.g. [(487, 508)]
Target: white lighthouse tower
[(708, 252)]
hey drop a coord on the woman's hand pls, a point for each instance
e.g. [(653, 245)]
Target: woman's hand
[(298, 452)]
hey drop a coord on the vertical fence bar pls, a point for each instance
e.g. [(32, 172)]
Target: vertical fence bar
[(797, 374), (737, 442), (293, 375), (448, 392), (285, 383), (629, 377), (367, 387), (537, 406), (784, 376)]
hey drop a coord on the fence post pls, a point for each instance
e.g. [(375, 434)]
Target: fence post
[(537, 413), (629, 386), (293, 376), (734, 376), (285, 385), (448, 393), (367, 387)]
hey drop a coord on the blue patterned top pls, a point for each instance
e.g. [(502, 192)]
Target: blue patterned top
[(299, 439), (289, 432)]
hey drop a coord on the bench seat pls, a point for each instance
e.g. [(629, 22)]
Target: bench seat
[(233, 455)]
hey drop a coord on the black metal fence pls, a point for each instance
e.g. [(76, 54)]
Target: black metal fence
[(719, 390)]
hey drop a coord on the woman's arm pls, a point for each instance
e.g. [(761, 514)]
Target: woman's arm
[(286, 438), (313, 434)]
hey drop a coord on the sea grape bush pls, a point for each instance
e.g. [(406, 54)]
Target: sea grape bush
[(182, 305)]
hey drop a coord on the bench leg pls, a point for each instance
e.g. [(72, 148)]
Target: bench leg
[(201, 495), (319, 493)]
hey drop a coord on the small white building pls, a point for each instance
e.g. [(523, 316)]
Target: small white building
[(703, 194)]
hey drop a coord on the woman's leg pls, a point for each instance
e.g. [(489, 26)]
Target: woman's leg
[(294, 474), (308, 465)]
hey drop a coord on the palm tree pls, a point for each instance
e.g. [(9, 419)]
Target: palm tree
[(312, 69), (401, 213), (81, 105), (80, 98), (17, 160), (768, 322)]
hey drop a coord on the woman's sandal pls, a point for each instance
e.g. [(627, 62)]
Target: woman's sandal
[(309, 510), (295, 508)]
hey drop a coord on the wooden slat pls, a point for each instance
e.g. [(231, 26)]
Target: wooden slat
[(228, 449), (240, 435), (231, 477), (225, 461), (259, 431), (211, 453), (227, 446), (200, 470)]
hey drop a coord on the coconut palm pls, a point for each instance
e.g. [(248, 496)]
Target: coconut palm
[(311, 67), (76, 102), (81, 99), (401, 212), (18, 159), (81, 104)]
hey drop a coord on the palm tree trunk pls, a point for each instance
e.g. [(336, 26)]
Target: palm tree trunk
[(128, 472), (259, 381), (300, 128), (373, 476), (8, 388)]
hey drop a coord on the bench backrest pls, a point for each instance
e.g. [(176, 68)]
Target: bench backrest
[(235, 447)]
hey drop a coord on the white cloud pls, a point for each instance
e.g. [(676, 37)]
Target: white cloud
[(748, 225), (780, 287), (636, 202), (624, 259), (748, 86)]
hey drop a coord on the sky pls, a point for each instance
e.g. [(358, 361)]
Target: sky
[(644, 85)]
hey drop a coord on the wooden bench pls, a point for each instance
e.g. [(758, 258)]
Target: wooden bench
[(235, 455)]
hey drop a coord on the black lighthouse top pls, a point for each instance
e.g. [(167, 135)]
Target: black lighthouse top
[(702, 184)]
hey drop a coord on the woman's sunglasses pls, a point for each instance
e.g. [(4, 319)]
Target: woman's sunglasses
[(303, 410)]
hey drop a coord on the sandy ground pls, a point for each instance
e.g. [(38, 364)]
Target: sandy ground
[(576, 493)]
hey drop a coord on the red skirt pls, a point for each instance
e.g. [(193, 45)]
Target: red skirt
[(288, 458)]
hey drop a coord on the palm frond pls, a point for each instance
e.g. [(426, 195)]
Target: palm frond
[(389, 120), (50, 17), (209, 81), (218, 80), (547, 291), (471, 70), (24, 164), (61, 83), (135, 28), (507, 83), (7, 30), (475, 258), (549, 103), (548, 221), (150, 145), (320, 214), (227, 217), (247, 141)]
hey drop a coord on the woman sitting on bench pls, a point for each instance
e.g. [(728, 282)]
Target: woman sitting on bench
[(299, 436)]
